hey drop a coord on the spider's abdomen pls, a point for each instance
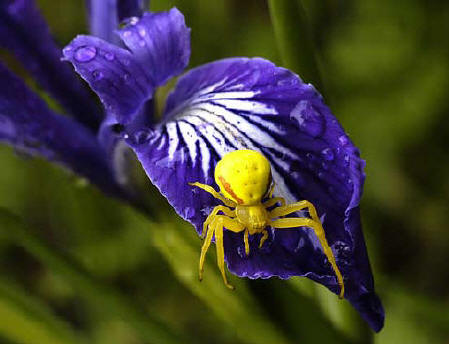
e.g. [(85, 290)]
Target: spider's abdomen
[(255, 218), (243, 176)]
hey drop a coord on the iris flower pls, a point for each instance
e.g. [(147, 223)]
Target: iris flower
[(229, 104)]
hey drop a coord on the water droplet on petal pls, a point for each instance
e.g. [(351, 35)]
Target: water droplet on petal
[(241, 252), (126, 76), (127, 33), (189, 212), (324, 165), (142, 32), (7, 127), (97, 75), (346, 159), (328, 154), (132, 20), (344, 140), (309, 119), (109, 56), (85, 54), (310, 156), (67, 49), (321, 175)]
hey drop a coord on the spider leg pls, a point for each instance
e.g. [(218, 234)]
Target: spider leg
[(273, 201), (319, 231), (205, 247), (294, 207), (232, 225), (264, 237), (210, 218), (245, 239), (214, 193)]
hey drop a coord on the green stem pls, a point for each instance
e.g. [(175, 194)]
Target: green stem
[(294, 39), (150, 328)]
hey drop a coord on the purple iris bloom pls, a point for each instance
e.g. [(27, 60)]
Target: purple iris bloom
[(234, 103)]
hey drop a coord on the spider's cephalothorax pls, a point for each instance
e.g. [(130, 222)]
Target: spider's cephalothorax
[(244, 178)]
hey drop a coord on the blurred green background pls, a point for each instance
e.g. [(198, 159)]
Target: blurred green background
[(81, 268)]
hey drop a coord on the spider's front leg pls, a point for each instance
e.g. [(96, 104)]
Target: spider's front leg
[(214, 193), (213, 214), (313, 223), (218, 222)]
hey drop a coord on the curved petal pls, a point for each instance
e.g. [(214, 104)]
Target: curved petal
[(124, 80), (113, 74), (160, 42), (25, 33), (250, 103), (27, 124)]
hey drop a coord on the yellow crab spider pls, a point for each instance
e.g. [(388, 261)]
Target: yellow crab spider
[(244, 178)]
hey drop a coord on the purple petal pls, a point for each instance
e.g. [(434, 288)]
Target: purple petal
[(104, 15), (252, 104), (27, 124), (113, 74), (103, 19), (125, 80), (24, 32), (160, 42)]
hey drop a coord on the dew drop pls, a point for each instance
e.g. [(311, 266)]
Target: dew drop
[(189, 212), (328, 154), (132, 20), (344, 140), (85, 54), (310, 156), (324, 165), (241, 252), (321, 175), (346, 159), (142, 32), (97, 75), (67, 49), (109, 56), (309, 119), (7, 127), (126, 77), (127, 33)]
